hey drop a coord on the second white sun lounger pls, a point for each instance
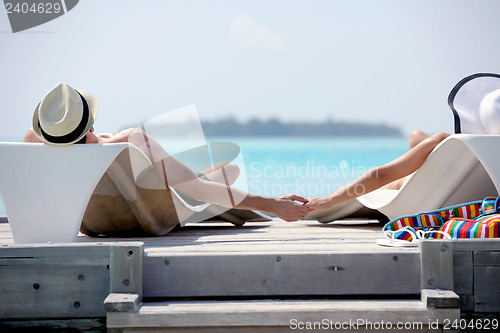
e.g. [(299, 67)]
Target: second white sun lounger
[(462, 168)]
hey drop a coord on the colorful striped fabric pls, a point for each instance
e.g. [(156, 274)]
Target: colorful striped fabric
[(417, 221), (478, 219), (490, 205), (465, 228)]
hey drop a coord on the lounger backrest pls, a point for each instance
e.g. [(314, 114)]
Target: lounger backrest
[(45, 189), (475, 103)]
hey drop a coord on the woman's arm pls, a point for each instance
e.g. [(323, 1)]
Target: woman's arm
[(382, 175)]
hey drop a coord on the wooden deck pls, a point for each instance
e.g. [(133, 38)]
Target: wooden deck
[(267, 275)]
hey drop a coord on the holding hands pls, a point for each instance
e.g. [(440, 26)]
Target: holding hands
[(290, 207), (320, 203)]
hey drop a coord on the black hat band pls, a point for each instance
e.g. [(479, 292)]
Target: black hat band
[(70, 137)]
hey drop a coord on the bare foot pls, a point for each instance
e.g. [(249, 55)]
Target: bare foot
[(321, 203), (290, 208)]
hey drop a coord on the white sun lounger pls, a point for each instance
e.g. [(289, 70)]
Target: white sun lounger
[(462, 168), (46, 189)]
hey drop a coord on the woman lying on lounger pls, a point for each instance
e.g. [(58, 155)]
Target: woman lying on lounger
[(66, 116), (389, 176)]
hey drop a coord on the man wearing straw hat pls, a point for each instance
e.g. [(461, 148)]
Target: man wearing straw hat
[(66, 116)]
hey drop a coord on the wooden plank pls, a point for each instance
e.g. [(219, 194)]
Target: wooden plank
[(486, 258), (63, 249), (126, 268), (269, 230), (59, 280), (436, 262), (269, 234), (55, 325), (47, 280), (486, 291), (116, 302), (463, 273), (180, 275), (467, 302), (276, 237), (306, 238), (203, 314), (288, 248), (279, 239), (60, 254), (252, 329), (435, 298), (476, 244), (90, 254), (220, 329), (58, 291), (236, 245), (259, 232)]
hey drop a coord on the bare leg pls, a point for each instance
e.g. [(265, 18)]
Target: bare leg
[(380, 176), (223, 173), (415, 138), (217, 192)]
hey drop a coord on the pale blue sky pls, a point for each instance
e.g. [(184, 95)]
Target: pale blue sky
[(384, 61)]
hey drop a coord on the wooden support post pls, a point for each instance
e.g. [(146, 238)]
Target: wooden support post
[(116, 302), (126, 268), (486, 280), (435, 298), (436, 262), (463, 277)]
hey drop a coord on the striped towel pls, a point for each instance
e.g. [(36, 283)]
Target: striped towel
[(477, 219)]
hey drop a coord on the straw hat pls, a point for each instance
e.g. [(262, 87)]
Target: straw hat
[(64, 115), (475, 102)]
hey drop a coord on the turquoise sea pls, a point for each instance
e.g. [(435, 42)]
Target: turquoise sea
[(309, 167)]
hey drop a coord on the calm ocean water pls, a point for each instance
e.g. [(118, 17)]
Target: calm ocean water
[(309, 167)]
